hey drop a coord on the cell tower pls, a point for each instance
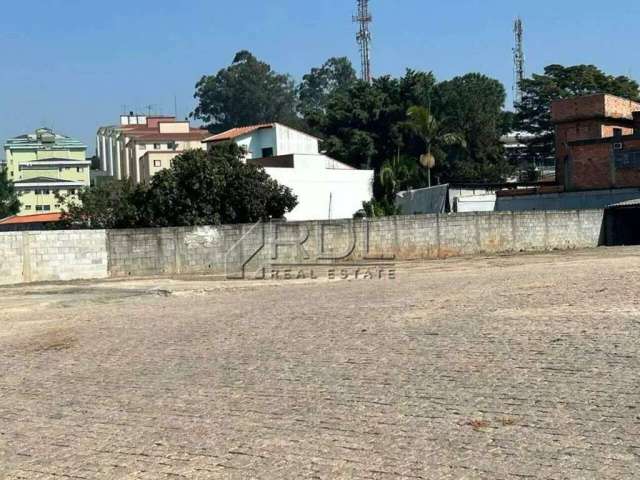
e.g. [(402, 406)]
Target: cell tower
[(364, 18), (518, 60)]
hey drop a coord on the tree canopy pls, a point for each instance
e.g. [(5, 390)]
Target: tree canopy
[(317, 86), (201, 188), (557, 82), (247, 92), (9, 202), (472, 105), (368, 125), (365, 124)]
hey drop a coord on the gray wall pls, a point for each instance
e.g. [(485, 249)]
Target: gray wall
[(566, 200), (232, 250), (47, 256)]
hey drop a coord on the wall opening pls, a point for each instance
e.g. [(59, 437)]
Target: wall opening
[(623, 226)]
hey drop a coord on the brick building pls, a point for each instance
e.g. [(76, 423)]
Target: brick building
[(597, 142)]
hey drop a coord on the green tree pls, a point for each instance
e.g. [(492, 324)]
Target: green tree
[(201, 188), (214, 188), (434, 136), (111, 204), (472, 105), (9, 202), (317, 86), (557, 82), (365, 124), (247, 92)]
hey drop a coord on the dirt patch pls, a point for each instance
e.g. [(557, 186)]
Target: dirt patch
[(53, 341)]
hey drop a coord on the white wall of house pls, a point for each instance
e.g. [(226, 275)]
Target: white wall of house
[(255, 143), (293, 141), (281, 140), (326, 189)]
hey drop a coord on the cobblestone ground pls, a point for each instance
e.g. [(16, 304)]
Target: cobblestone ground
[(496, 368)]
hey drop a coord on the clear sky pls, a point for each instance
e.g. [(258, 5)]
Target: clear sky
[(73, 64)]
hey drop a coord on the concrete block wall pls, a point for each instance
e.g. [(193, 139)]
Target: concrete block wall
[(11, 253), (231, 250), (46, 256)]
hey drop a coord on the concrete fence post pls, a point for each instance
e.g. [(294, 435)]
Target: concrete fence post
[(26, 257)]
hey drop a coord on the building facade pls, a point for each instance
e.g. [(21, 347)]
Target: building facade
[(142, 145), (326, 188), (44, 165), (597, 142)]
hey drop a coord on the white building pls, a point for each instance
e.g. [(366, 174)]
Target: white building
[(326, 188), (110, 143)]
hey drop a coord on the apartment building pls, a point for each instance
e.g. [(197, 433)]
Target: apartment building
[(43, 165), (142, 145)]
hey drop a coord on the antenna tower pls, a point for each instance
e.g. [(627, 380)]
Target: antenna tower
[(364, 18), (518, 60)]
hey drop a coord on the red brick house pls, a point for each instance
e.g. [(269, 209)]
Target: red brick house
[(597, 142)]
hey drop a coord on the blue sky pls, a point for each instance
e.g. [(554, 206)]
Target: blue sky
[(73, 64)]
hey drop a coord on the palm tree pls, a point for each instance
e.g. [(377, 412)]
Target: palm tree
[(392, 174), (432, 132)]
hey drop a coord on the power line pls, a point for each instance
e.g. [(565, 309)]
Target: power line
[(364, 18)]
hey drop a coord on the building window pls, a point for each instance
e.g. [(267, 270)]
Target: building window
[(42, 192), (617, 132), (157, 146), (143, 146), (27, 207), (78, 169), (267, 152), (157, 163), (172, 145)]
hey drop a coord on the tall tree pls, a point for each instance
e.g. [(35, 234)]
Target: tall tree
[(317, 86), (364, 125), (472, 105), (9, 202), (557, 82), (245, 93), (433, 134)]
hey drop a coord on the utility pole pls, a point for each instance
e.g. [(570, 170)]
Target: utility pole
[(518, 60), (364, 18)]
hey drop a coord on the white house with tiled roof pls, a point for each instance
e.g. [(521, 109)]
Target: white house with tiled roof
[(269, 140), (326, 188)]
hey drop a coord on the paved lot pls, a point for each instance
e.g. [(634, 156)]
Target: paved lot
[(506, 367)]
